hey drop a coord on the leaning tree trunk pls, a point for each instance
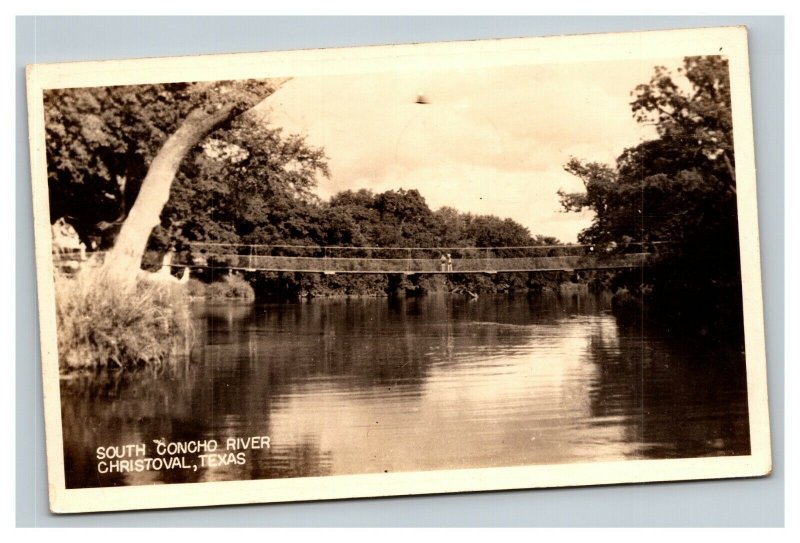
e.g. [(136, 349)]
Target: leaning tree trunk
[(124, 259)]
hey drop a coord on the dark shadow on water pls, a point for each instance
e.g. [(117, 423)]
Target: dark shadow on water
[(684, 399)]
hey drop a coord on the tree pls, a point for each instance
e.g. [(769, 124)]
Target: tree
[(100, 142), (405, 219), (113, 153), (351, 219), (451, 227), (665, 188), (679, 188), (246, 184), (491, 231), (698, 122)]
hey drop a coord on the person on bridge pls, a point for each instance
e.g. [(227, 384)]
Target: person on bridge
[(443, 261), (449, 263)]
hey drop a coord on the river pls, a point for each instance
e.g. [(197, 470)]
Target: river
[(345, 386)]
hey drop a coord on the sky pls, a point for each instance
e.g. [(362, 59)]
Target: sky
[(489, 141)]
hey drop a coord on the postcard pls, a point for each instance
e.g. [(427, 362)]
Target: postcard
[(397, 270)]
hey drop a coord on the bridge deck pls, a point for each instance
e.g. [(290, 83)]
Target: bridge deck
[(332, 265)]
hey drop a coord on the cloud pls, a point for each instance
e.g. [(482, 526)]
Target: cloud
[(489, 141)]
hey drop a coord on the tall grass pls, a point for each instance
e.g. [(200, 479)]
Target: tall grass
[(103, 322)]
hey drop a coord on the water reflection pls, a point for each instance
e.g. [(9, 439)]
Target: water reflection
[(374, 385), (692, 400)]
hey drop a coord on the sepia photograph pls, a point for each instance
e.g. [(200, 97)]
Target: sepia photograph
[(398, 270)]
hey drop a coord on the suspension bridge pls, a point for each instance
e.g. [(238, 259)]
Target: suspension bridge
[(331, 260)]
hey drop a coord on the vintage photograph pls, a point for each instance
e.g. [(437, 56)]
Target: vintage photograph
[(437, 267)]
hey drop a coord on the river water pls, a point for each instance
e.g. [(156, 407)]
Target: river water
[(388, 385)]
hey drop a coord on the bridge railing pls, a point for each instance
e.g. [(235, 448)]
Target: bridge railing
[(253, 262), (287, 258), (211, 249)]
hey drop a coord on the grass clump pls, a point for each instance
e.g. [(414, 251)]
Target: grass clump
[(230, 287), (103, 322), (196, 289)]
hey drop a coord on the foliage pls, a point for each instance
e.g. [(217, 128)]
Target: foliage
[(103, 323), (402, 218), (398, 218), (678, 184), (196, 289), (248, 184), (680, 188), (231, 287), (100, 142)]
